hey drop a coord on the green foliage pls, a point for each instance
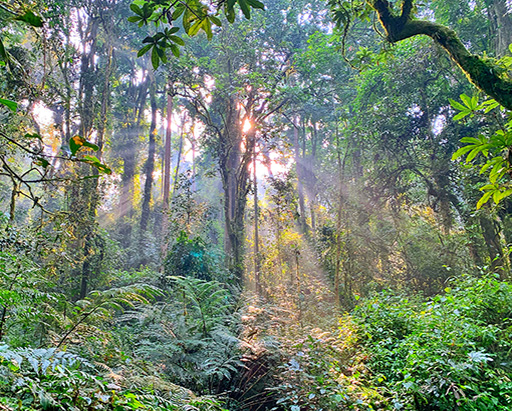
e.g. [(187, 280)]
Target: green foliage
[(193, 335), (446, 353), (193, 15), (24, 304), (189, 257), (49, 379), (321, 371), (11, 105), (493, 146)]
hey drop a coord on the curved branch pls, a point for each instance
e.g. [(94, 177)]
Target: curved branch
[(483, 74)]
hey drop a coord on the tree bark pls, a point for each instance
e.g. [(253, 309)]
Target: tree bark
[(149, 168), (501, 27), (257, 259), (166, 180), (303, 225)]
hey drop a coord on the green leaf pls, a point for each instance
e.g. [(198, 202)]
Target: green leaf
[(3, 54), (90, 145), (42, 162), (496, 196), (473, 153), (144, 50), (195, 28), (471, 140), (136, 9), (155, 59), (485, 198), (461, 115), (474, 103), (467, 100), (178, 12), (207, 27), (461, 151), (177, 40), (256, 4), (491, 106), (215, 21), (30, 18), (75, 143), (12, 105), (488, 187), (95, 162), (134, 19), (245, 8), (456, 105), (506, 193), (175, 50)]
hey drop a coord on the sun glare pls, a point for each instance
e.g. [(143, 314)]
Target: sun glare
[(247, 125)]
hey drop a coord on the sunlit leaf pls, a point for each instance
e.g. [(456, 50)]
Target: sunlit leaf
[(485, 198), (461, 115), (456, 105), (467, 101), (461, 151)]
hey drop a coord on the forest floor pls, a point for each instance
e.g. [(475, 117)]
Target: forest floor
[(295, 341)]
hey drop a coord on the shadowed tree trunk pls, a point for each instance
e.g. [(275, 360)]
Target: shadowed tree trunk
[(501, 26), (149, 168), (303, 225)]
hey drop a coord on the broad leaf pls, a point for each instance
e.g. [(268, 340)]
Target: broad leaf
[(12, 105), (30, 18)]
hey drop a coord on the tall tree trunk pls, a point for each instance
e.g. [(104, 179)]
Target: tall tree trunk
[(128, 150), (167, 166), (91, 187), (257, 259), (501, 27), (178, 160), (300, 187), (234, 169), (149, 168)]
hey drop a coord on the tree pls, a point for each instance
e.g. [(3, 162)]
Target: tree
[(402, 24)]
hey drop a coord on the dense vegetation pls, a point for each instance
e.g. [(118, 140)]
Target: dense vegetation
[(245, 205)]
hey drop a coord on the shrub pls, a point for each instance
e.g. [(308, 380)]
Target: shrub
[(450, 352)]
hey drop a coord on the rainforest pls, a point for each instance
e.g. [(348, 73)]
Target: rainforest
[(255, 205)]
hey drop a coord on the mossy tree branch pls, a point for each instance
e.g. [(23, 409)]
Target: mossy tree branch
[(483, 74)]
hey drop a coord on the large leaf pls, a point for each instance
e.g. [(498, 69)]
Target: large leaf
[(77, 142), (30, 18), (485, 198), (12, 105), (244, 5)]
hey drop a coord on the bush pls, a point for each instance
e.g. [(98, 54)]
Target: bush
[(450, 352)]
